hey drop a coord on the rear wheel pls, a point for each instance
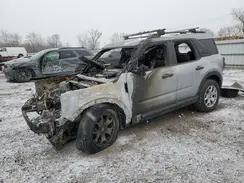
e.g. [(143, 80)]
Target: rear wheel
[(20, 55), (23, 75), (208, 96), (98, 129)]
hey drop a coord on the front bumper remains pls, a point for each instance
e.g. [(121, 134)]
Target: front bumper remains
[(57, 130)]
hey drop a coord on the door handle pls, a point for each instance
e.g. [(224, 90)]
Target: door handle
[(199, 68), (167, 75)]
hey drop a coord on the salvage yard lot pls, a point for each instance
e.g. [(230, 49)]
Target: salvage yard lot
[(182, 146)]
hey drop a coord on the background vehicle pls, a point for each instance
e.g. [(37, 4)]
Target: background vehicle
[(9, 53), (46, 63), (156, 75)]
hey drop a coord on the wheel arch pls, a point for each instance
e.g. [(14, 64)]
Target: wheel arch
[(125, 113), (120, 111), (20, 55), (27, 68), (214, 75)]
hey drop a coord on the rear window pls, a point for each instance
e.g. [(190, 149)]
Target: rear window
[(207, 47)]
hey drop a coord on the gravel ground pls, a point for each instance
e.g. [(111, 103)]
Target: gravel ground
[(182, 146)]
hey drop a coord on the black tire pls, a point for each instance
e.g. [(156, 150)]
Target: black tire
[(203, 104), (20, 55), (229, 93), (23, 75), (95, 126)]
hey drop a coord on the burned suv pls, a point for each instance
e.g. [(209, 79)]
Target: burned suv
[(158, 72)]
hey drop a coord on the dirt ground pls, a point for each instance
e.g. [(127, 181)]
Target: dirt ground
[(182, 146)]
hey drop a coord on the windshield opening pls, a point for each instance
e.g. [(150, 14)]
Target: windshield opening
[(116, 58)]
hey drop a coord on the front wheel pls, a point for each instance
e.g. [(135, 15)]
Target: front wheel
[(98, 129), (208, 96), (23, 75)]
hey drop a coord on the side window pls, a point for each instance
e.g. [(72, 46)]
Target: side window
[(50, 63), (66, 54), (111, 53), (83, 53), (184, 52), (154, 57), (115, 54)]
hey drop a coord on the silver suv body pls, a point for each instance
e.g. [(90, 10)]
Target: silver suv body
[(154, 76)]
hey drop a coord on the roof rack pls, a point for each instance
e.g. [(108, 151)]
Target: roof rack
[(160, 32)]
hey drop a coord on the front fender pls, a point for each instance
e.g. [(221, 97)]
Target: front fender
[(73, 103)]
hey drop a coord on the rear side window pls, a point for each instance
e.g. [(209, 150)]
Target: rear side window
[(66, 54), (83, 52), (184, 52), (206, 47)]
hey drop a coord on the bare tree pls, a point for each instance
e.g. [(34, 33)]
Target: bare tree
[(15, 40), (10, 39), (83, 40), (34, 42), (229, 32), (238, 15), (117, 37), (90, 39), (94, 35), (234, 31), (54, 41)]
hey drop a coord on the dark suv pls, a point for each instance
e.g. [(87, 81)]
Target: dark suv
[(46, 63)]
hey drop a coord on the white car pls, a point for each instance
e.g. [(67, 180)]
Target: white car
[(8, 53)]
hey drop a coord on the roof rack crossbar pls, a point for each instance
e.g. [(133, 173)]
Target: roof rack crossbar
[(160, 32), (157, 32)]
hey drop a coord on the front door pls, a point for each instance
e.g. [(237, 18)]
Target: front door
[(50, 64), (157, 88)]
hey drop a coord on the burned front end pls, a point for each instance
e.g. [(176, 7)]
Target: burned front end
[(43, 111), (57, 107)]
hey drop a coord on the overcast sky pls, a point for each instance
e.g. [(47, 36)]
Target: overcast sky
[(70, 17)]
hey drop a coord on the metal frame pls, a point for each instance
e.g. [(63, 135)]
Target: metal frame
[(161, 32)]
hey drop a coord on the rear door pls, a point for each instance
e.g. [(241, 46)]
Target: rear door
[(187, 69), (69, 61)]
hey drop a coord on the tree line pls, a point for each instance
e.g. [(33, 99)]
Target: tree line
[(33, 42), (236, 30)]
